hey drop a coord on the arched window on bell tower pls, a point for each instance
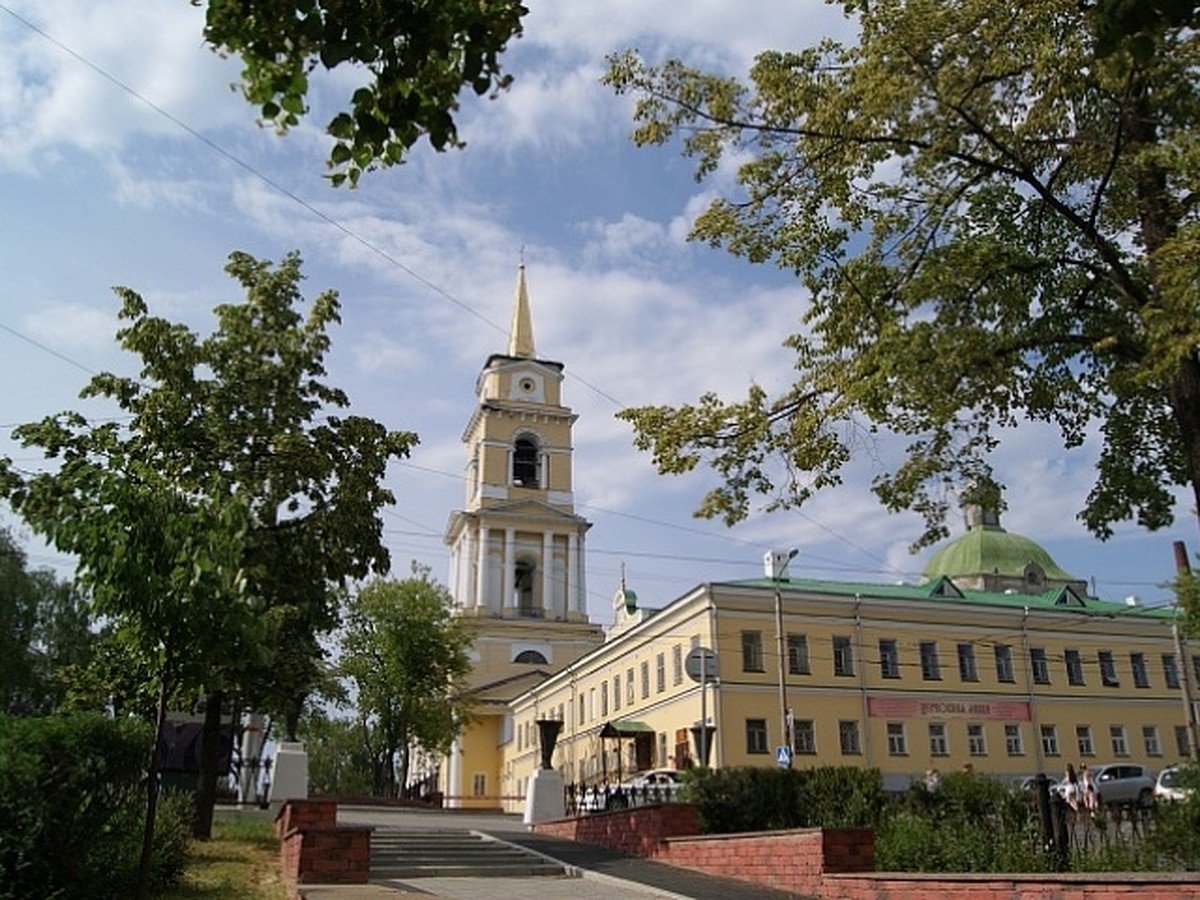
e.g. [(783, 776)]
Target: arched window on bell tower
[(524, 597), (526, 462)]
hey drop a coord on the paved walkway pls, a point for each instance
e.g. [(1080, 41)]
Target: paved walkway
[(604, 874)]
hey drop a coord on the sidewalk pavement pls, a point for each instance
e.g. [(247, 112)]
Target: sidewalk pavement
[(602, 874)]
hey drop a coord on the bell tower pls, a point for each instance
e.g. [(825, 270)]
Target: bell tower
[(517, 550)]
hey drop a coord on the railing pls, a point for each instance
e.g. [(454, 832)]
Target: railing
[(582, 799)]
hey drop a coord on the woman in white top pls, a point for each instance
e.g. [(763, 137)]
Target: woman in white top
[(1070, 788)]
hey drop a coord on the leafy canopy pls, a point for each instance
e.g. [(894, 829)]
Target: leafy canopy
[(993, 224), (407, 655), (414, 56)]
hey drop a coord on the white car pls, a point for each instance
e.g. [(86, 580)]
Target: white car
[(1168, 788)]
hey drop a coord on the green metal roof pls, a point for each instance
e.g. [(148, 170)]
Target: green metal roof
[(990, 550), (943, 590)]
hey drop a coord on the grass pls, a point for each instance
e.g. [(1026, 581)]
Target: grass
[(241, 862)]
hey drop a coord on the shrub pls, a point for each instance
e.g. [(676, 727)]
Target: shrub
[(768, 799), (72, 797), (971, 823)]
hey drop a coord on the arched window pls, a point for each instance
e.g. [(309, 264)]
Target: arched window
[(523, 581), (526, 455), (532, 657)]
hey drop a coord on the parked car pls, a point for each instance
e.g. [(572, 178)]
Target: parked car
[(1029, 782), (1124, 783), (1168, 787)]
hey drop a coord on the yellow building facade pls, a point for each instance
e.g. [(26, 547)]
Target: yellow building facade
[(998, 660)]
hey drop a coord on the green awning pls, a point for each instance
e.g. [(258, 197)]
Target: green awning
[(623, 728)]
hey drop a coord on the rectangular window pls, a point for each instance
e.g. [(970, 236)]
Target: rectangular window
[(752, 652), (604, 699), (756, 735), (966, 663), (1083, 740), (938, 745), (804, 737), (479, 785), (848, 737), (662, 749), (1004, 664), (616, 692), (1183, 746), (645, 667), (1108, 669), (1150, 739), (1120, 743), (581, 709), (843, 656), (797, 651), (1041, 668), (1170, 671), (889, 658), (629, 688), (976, 740), (1137, 665), (931, 669), (677, 664), (1074, 667), (897, 744), (1013, 744), (660, 672), (1049, 740)]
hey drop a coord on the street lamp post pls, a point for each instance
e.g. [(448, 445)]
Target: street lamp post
[(775, 564)]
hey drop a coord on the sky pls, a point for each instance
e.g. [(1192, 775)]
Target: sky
[(126, 158)]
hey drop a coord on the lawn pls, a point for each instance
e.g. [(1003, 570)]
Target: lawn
[(241, 862)]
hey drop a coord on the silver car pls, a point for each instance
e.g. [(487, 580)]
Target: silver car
[(1124, 783)]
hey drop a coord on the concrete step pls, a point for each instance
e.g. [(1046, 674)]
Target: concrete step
[(402, 854)]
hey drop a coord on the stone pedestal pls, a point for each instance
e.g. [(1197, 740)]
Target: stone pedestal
[(289, 773), (544, 800)]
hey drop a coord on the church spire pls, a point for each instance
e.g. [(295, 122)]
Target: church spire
[(520, 334)]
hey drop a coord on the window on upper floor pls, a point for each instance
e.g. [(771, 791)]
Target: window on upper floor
[(931, 669), (889, 658), (524, 580), (1004, 663), (939, 745), (677, 664), (752, 652), (1108, 669), (1039, 665), (1137, 665), (797, 654), (531, 657), (1170, 671), (1074, 667), (843, 656), (967, 671), (526, 462)]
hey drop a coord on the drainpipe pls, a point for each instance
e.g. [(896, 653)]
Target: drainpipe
[(1033, 719), (861, 663)]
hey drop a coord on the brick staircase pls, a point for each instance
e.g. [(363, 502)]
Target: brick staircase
[(405, 854)]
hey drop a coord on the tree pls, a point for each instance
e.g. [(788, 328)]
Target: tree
[(416, 58), (44, 630), (406, 653), (994, 225), (339, 761), (222, 520)]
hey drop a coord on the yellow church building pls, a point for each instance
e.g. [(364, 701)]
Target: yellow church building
[(998, 659)]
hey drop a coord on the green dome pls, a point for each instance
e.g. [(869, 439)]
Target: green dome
[(990, 550)]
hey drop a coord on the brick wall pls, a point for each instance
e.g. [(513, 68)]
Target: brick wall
[(1097, 886), (637, 832), (314, 850), (834, 864), (788, 860)]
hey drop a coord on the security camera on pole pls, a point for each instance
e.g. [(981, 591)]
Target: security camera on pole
[(775, 563)]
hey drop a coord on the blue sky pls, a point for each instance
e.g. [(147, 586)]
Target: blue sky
[(126, 159)]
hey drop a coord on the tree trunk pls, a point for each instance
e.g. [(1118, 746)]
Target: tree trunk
[(206, 788), (1185, 402)]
